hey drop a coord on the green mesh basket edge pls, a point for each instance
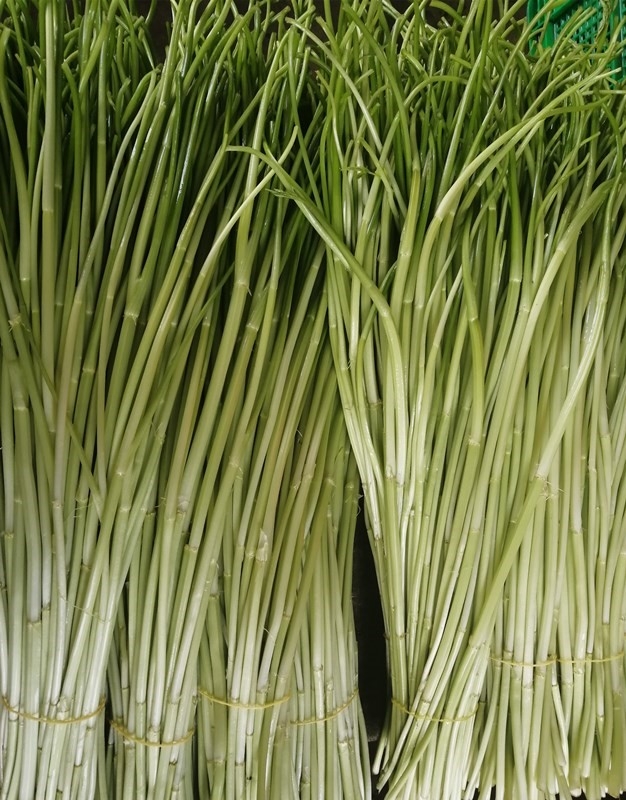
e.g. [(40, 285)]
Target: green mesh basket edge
[(585, 33)]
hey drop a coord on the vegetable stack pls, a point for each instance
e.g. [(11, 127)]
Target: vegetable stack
[(310, 255)]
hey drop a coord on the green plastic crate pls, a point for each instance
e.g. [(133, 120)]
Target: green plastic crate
[(587, 32)]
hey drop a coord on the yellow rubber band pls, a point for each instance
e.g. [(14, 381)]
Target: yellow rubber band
[(591, 659), (335, 713), (429, 718), (126, 734), (51, 720), (245, 706), (532, 664)]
